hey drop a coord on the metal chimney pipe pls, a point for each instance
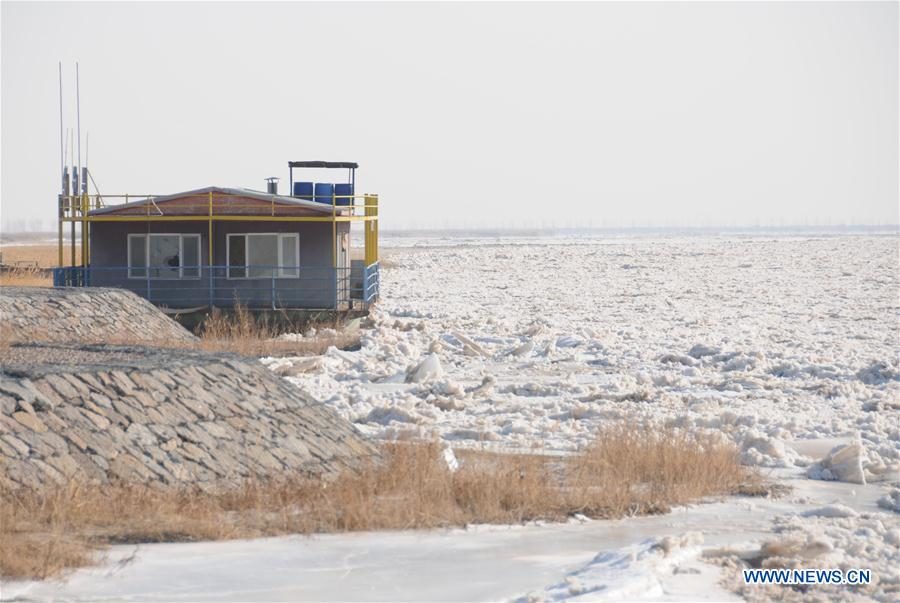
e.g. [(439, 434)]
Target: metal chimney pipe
[(272, 185)]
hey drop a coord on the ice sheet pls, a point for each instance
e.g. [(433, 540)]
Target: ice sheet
[(596, 560)]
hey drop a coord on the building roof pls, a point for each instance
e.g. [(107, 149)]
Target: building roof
[(323, 164), (232, 201)]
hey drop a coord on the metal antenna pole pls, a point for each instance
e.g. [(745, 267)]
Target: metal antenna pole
[(80, 174), (63, 177), (62, 161), (78, 119), (72, 200)]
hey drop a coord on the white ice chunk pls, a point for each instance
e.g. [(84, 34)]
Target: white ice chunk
[(843, 464), (427, 370), (835, 510), (524, 349), (891, 501), (470, 346), (450, 459), (384, 415), (700, 350)]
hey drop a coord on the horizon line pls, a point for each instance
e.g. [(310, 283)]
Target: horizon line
[(561, 230)]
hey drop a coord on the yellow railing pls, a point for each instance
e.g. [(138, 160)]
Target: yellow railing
[(213, 207), (79, 208)]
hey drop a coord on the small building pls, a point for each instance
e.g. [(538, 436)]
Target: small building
[(217, 247)]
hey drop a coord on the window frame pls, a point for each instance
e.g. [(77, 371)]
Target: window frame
[(146, 268), (283, 272)]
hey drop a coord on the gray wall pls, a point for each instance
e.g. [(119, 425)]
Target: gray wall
[(315, 288)]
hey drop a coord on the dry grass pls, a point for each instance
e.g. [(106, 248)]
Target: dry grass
[(42, 256), (25, 277), (243, 332), (42, 555), (29, 264), (626, 472), (648, 470)]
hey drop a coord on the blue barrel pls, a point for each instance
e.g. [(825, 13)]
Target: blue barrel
[(343, 189), (324, 192), (304, 190)]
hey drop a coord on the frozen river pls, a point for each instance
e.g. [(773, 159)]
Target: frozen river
[(787, 346), (536, 344)]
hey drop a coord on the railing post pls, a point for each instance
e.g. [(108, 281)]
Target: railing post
[(72, 213), (273, 290), (60, 215), (334, 266), (365, 285), (210, 252), (371, 228)]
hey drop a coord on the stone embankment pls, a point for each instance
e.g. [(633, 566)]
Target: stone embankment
[(85, 315), (140, 414)]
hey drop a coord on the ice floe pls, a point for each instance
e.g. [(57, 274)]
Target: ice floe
[(775, 343)]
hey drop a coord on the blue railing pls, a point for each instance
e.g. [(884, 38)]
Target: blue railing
[(371, 283), (71, 276), (258, 287)]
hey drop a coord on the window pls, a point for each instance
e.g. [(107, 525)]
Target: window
[(164, 256), (137, 256), (264, 255)]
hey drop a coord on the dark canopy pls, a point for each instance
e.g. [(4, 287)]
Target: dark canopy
[(323, 164)]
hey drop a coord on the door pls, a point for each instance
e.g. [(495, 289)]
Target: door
[(343, 270)]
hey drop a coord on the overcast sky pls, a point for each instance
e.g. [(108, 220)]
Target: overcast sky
[(467, 115)]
